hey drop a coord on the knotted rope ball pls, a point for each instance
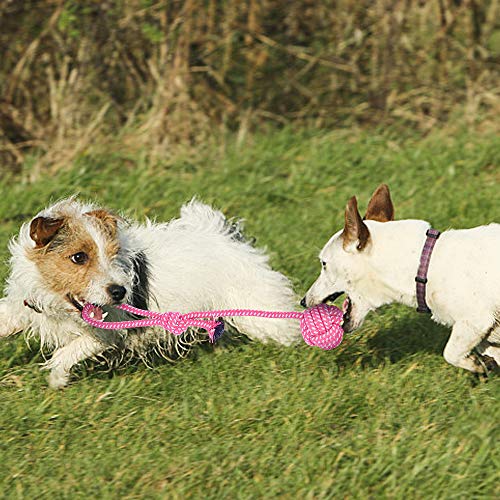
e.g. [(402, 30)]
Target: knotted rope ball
[(321, 326)]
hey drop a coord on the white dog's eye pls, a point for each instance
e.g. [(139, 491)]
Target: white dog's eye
[(79, 258)]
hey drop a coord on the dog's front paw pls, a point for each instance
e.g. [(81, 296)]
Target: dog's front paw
[(58, 379), (488, 364)]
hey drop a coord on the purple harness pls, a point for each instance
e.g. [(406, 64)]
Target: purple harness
[(421, 278)]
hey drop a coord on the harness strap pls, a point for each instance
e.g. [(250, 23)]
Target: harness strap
[(421, 278)]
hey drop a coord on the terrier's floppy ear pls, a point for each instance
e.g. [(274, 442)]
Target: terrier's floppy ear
[(380, 207), (43, 230), (355, 230), (108, 220)]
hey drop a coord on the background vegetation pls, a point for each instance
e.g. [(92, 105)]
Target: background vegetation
[(156, 73)]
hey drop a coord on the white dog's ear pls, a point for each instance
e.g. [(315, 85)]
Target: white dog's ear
[(380, 207), (355, 235), (43, 230)]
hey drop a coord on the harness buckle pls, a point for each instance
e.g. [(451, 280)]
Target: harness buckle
[(432, 233)]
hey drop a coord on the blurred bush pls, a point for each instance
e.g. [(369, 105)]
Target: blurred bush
[(162, 72)]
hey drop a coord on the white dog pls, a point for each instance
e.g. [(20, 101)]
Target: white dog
[(375, 261), (73, 253)]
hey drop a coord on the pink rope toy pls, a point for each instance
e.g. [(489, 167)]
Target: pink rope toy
[(320, 325)]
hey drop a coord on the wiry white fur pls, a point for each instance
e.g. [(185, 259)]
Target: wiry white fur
[(195, 263), (463, 289)]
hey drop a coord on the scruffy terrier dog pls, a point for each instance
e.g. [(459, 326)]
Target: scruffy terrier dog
[(73, 253)]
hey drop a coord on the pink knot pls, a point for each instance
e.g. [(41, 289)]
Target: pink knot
[(174, 322)]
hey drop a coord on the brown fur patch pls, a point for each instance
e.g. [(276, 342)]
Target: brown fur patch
[(60, 274), (354, 227), (380, 207), (107, 220)]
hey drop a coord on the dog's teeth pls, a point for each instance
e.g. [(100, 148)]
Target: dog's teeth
[(92, 314), (104, 315)]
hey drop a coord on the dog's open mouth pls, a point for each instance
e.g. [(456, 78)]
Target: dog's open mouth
[(77, 302), (346, 309), (97, 311), (346, 305)]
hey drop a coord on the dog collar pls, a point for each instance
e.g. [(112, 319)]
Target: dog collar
[(31, 306), (421, 278)]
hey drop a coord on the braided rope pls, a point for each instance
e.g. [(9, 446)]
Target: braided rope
[(320, 325)]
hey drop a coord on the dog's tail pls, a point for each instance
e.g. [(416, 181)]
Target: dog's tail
[(204, 218)]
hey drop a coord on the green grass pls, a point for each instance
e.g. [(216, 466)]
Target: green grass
[(381, 416)]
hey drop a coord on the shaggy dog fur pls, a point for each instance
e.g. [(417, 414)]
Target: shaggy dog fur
[(73, 252), (374, 261)]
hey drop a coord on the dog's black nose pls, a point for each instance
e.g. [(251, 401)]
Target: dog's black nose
[(117, 292), (303, 302)]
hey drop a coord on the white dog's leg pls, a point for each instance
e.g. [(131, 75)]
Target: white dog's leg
[(493, 352), (461, 342), (491, 345), (12, 319), (68, 356)]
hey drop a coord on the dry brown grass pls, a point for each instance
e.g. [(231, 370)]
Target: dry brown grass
[(151, 74)]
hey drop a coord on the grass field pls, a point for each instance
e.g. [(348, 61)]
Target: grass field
[(381, 416)]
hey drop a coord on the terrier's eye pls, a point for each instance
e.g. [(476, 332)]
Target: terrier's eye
[(79, 258), (323, 264)]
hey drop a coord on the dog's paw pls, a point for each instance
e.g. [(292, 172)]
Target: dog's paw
[(58, 380), (490, 364)]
